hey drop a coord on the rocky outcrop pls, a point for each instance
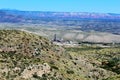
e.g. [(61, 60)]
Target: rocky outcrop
[(37, 70)]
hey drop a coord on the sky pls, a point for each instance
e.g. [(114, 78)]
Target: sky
[(98, 6)]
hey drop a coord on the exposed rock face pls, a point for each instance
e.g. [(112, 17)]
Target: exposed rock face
[(37, 70), (98, 73)]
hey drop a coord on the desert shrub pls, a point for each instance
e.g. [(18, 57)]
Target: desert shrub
[(113, 78), (54, 67), (36, 76), (44, 77), (113, 65), (70, 71)]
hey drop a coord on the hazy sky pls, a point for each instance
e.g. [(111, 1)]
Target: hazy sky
[(101, 6)]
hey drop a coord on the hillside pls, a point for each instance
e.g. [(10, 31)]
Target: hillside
[(26, 56), (20, 51)]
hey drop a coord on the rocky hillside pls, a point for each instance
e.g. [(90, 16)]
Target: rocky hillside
[(26, 43), (26, 56)]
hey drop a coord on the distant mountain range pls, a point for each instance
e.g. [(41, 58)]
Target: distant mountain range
[(28, 16), (85, 21)]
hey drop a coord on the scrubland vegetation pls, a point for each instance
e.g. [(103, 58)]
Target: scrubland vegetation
[(26, 56)]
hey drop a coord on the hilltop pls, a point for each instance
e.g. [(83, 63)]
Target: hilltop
[(15, 40)]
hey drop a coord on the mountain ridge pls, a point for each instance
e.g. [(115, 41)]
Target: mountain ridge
[(47, 14)]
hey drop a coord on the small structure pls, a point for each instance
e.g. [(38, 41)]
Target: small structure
[(62, 42), (55, 39)]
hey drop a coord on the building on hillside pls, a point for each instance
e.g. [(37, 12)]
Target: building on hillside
[(62, 42), (55, 39)]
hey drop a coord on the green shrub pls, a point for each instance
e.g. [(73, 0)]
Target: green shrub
[(70, 71), (55, 67)]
